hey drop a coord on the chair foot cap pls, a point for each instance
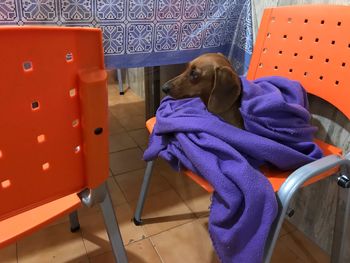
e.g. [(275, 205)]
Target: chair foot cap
[(121, 93), (137, 222), (75, 229)]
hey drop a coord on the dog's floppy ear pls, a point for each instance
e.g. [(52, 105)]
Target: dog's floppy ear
[(226, 90)]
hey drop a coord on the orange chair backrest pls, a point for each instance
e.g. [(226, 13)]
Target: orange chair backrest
[(310, 44), (47, 77)]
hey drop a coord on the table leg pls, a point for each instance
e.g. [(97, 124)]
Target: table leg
[(152, 90)]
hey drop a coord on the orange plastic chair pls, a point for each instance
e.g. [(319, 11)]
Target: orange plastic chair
[(54, 130), (308, 44)]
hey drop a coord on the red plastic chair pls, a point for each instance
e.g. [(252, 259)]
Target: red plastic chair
[(54, 131), (309, 44)]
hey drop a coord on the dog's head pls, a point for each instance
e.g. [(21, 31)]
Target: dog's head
[(210, 77)]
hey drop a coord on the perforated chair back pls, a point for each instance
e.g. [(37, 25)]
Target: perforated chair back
[(53, 104), (310, 44)]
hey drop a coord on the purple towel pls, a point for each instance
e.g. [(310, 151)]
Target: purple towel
[(278, 133)]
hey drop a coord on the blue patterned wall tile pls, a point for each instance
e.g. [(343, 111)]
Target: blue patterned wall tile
[(219, 8), (141, 10), (195, 9), (169, 9), (191, 35), (76, 10), (214, 33), (8, 11), (113, 38), (110, 10), (39, 11), (167, 36), (140, 38)]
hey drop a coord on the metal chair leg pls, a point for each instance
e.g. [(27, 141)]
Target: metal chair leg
[(120, 81), (289, 188), (74, 222), (113, 229), (143, 193), (274, 231)]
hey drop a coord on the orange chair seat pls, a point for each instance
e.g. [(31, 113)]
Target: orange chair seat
[(29, 221), (275, 176)]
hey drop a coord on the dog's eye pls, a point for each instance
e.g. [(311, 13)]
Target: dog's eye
[(194, 75)]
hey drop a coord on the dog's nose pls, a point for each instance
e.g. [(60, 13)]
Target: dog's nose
[(166, 88)]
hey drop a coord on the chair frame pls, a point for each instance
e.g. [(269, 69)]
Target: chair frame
[(101, 195)]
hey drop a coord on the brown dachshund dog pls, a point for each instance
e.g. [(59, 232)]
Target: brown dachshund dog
[(212, 78)]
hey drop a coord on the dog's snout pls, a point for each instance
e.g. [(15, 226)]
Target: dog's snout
[(166, 88)]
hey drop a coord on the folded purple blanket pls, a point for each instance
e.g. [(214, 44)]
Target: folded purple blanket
[(278, 133)]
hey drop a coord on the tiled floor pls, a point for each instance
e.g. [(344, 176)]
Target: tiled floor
[(176, 211)]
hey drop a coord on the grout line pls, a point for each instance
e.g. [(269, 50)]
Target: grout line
[(155, 248), (17, 252), (151, 195), (183, 200), (82, 239), (173, 227), (128, 148), (129, 171), (120, 189)]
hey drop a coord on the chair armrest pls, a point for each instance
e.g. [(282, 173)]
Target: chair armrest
[(305, 173), (94, 125)]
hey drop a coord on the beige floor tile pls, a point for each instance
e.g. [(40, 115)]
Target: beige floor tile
[(62, 219), (283, 254), (128, 109), (8, 254), (120, 141), (133, 123), (142, 251), (116, 194), (95, 235), (304, 248), (143, 147), (188, 243), (195, 197), (129, 96), (287, 228), (140, 136), (130, 184), (126, 161), (138, 252), (84, 211), (163, 211), (52, 244), (173, 177), (114, 125)]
